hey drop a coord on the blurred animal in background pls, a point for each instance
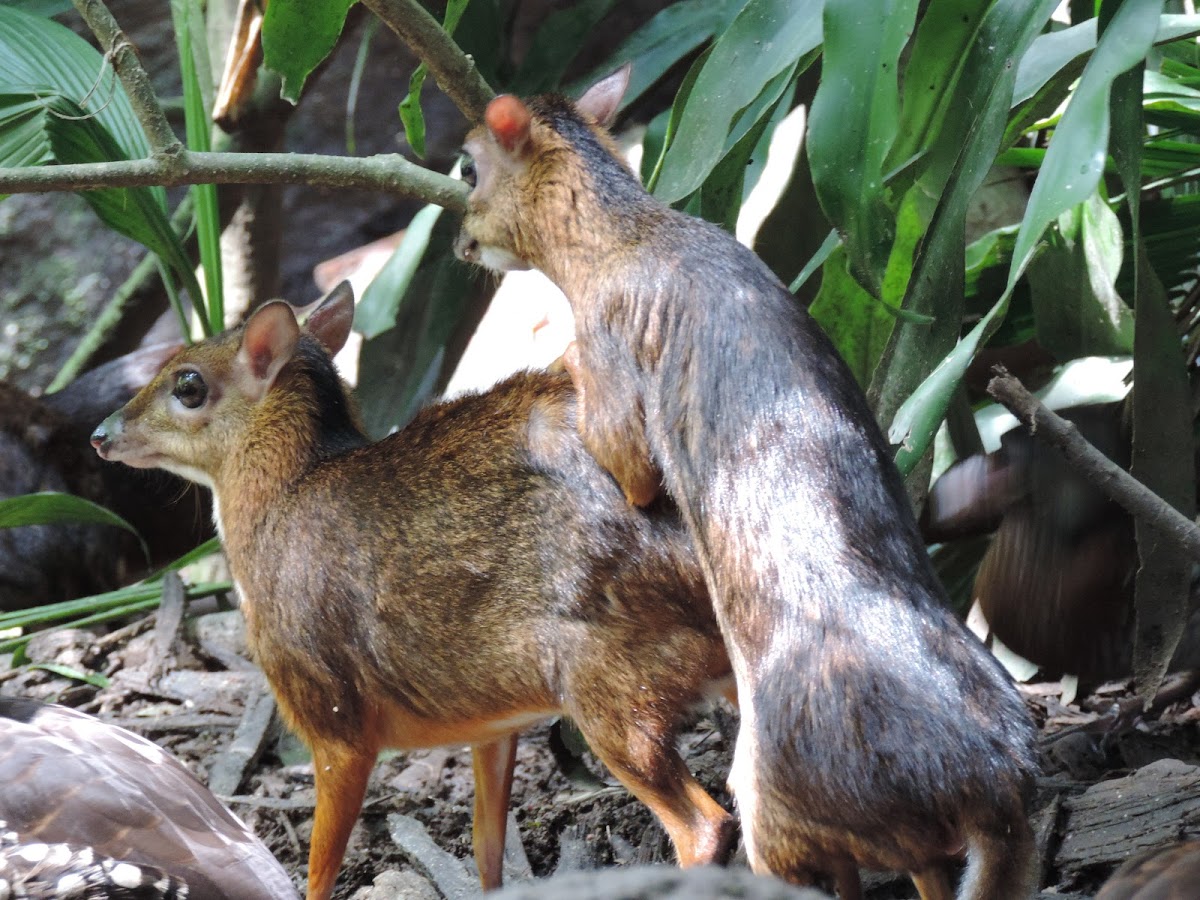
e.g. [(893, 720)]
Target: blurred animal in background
[(1056, 583), (98, 809), (44, 447)]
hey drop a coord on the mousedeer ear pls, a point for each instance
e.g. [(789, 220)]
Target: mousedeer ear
[(330, 322), (602, 100), (267, 344), (507, 118)]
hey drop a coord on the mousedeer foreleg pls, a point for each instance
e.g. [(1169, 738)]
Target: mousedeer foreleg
[(493, 764)]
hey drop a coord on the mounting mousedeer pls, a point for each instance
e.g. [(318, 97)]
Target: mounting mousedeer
[(876, 730)]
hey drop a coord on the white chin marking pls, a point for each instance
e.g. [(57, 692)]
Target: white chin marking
[(501, 260)]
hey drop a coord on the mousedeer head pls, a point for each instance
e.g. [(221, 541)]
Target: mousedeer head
[(521, 167)]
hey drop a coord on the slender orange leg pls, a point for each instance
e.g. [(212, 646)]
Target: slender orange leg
[(493, 764), (341, 775), (933, 883)]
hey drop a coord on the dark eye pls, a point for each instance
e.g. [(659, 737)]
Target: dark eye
[(468, 171), (190, 389)]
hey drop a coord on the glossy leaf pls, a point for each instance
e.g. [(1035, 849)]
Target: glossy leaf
[(722, 192), (1075, 302), (377, 310), (915, 404), (54, 508), (85, 118), (192, 46), (939, 50), (852, 126), (1076, 156), (766, 37), (297, 35)]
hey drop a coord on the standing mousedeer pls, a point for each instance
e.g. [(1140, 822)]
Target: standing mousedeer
[(876, 730), (452, 584)]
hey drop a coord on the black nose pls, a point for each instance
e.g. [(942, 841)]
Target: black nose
[(99, 436)]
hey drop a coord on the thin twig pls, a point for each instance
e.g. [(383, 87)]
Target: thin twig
[(1137, 499), (390, 173), (133, 76), (453, 70)]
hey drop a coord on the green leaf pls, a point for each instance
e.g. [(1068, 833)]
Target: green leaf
[(380, 304), (852, 126), (96, 679), (672, 120), (1076, 156), (400, 369), (54, 508), (192, 46), (43, 8), (722, 192), (86, 118), (939, 51), (657, 46), (297, 35), (858, 323), (766, 37), (953, 173), (410, 107), (556, 43), (1077, 309), (831, 243)]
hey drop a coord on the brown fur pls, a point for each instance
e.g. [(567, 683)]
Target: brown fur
[(875, 729), (448, 585)]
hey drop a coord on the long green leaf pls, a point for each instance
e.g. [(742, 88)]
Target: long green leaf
[(556, 43), (766, 37), (54, 508), (1077, 309), (192, 47), (953, 172), (1076, 156), (852, 126), (380, 304), (939, 51)]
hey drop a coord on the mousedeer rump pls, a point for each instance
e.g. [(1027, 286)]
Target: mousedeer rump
[(451, 584), (875, 729)]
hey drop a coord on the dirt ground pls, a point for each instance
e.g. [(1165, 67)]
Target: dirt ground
[(194, 692)]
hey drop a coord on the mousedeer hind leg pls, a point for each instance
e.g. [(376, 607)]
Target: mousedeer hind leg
[(493, 764), (934, 883), (633, 738), (341, 775)]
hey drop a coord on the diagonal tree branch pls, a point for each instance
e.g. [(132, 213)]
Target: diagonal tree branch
[(453, 70), (1137, 499), (390, 173), (128, 66)]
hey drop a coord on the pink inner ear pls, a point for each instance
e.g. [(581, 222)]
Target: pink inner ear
[(507, 118)]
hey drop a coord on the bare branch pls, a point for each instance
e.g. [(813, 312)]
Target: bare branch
[(128, 66), (1137, 499), (389, 173), (453, 70)]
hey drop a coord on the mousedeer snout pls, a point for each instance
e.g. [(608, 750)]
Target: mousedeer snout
[(106, 432), (466, 247)]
